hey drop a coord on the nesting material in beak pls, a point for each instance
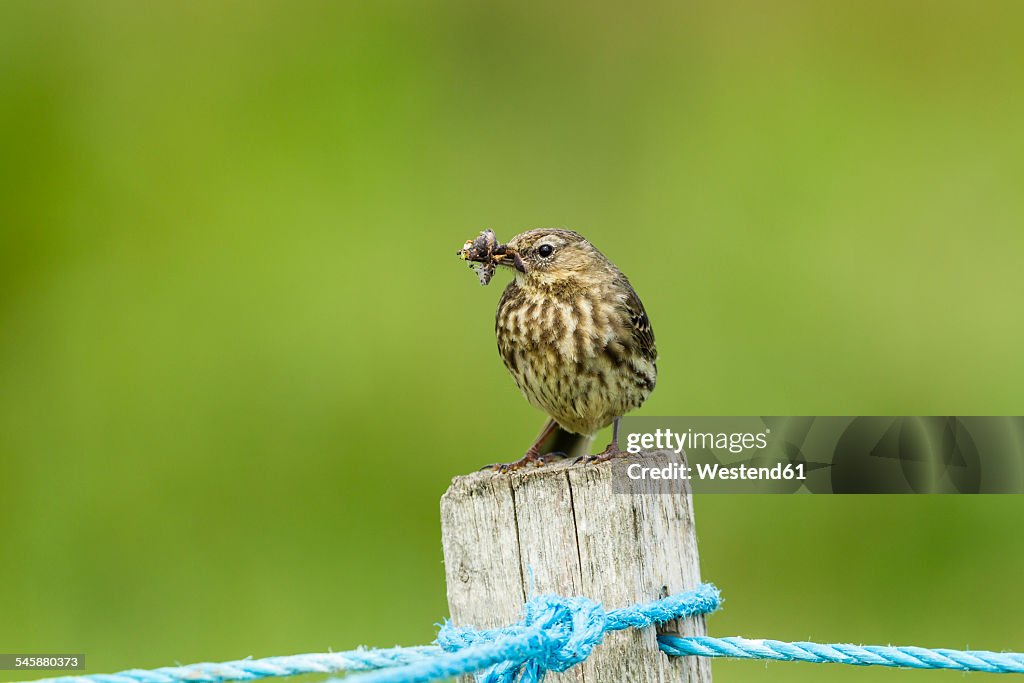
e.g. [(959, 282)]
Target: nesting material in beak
[(486, 253)]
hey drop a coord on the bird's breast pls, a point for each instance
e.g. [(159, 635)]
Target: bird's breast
[(570, 356), (568, 329)]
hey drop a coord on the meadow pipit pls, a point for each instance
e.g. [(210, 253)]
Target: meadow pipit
[(572, 332)]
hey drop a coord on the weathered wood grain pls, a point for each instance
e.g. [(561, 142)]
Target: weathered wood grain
[(563, 525)]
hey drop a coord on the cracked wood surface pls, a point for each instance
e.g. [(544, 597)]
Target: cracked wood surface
[(564, 523)]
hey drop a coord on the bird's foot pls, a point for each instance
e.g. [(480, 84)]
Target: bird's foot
[(609, 453), (533, 458)]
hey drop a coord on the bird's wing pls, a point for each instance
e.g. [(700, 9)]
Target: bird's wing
[(643, 335)]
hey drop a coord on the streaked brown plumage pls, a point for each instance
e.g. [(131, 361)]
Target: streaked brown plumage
[(574, 335)]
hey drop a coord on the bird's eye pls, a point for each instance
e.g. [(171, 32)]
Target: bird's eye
[(545, 250)]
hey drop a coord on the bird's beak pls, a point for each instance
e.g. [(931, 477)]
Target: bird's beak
[(507, 256)]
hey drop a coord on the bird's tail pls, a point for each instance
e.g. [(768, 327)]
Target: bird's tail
[(562, 441)]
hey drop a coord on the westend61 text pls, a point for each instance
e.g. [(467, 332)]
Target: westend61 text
[(709, 472)]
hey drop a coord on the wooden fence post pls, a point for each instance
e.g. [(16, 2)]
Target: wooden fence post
[(564, 523)]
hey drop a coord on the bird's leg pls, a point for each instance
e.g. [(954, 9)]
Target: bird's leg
[(532, 454), (611, 451)]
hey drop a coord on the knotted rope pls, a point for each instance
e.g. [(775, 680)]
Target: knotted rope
[(554, 634)]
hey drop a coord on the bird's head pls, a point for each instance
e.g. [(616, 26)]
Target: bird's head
[(549, 255)]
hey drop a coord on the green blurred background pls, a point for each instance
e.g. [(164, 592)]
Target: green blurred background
[(239, 361)]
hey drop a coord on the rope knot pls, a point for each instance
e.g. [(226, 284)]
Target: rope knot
[(571, 627), (557, 633)]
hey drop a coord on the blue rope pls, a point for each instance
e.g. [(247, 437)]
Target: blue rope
[(840, 653), (251, 669), (555, 634)]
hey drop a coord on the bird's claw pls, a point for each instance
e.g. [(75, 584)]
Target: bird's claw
[(607, 454), (529, 459)]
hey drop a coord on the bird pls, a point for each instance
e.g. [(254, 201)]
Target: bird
[(575, 337)]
